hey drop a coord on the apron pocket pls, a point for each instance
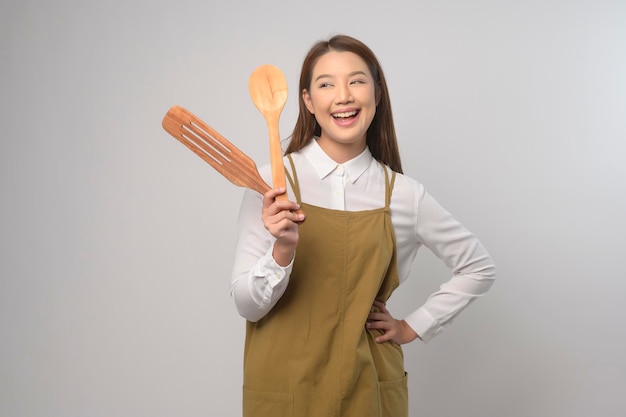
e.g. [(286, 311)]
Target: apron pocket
[(267, 404), (394, 397)]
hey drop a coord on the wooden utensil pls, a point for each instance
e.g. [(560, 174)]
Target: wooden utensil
[(214, 148), (268, 89)]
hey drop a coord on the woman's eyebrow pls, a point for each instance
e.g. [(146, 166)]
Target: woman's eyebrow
[(352, 74), (319, 77)]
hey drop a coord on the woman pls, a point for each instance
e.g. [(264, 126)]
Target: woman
[(319, 338)]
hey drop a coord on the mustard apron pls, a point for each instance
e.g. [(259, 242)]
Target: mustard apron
[(311, 355)]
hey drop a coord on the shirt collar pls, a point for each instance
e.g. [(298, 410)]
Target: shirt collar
[(324, 165)]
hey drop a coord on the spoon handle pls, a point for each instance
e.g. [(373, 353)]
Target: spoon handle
[(276, 155)]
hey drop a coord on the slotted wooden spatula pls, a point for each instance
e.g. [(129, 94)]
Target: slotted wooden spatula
[(213, 148)]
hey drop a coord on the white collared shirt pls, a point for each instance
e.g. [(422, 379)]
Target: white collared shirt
[(257, 282)]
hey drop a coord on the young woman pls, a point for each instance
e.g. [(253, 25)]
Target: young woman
[(319, 338)]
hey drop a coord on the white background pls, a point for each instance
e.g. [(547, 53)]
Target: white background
[(116, 242)]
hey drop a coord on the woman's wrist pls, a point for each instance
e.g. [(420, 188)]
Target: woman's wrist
[(408, 334), (283, 255)]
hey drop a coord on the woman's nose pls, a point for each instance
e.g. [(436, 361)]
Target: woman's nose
[(344, 95)]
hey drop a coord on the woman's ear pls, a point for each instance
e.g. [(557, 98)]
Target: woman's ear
[(306, 97)]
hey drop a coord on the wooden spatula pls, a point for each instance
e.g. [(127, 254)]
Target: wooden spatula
[(213, 148)]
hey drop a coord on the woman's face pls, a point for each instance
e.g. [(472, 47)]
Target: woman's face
[(342, 96)]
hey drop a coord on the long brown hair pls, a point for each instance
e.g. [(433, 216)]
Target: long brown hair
[(381, 134)]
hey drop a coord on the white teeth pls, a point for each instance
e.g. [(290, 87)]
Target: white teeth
[(343, 115)]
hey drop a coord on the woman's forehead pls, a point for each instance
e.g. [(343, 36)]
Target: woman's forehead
[(336, 63)]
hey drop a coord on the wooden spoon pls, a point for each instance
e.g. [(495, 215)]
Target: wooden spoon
[(268, 89)]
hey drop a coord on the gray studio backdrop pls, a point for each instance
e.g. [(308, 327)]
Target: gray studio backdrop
[(116, 242)]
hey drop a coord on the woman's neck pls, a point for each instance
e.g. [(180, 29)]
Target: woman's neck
[(341, 152)]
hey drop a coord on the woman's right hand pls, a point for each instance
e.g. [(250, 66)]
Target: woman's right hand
[(281, 220)]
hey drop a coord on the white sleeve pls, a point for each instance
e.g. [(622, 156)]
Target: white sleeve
[(472, 268), (257, 281)]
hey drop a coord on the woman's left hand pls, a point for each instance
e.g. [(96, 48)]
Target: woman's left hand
[(396, 330)]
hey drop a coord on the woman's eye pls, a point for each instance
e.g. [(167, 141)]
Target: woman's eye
[(357, 82), (324, 85)]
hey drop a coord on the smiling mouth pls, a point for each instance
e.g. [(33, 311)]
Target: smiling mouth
[(346, 115)]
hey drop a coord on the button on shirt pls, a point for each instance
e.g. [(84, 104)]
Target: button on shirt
[(257, 282), (337, 188)]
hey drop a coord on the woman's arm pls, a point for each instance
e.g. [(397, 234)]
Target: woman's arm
[(266, 243), (473, 270)]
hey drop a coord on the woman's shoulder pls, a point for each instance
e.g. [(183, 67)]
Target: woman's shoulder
[(406, 193), (403, 181)]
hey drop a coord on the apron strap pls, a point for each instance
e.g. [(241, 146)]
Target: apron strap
[(388, 184), (295, 185)]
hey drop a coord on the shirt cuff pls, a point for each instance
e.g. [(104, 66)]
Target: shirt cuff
[(423, 323), (268, 278)]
